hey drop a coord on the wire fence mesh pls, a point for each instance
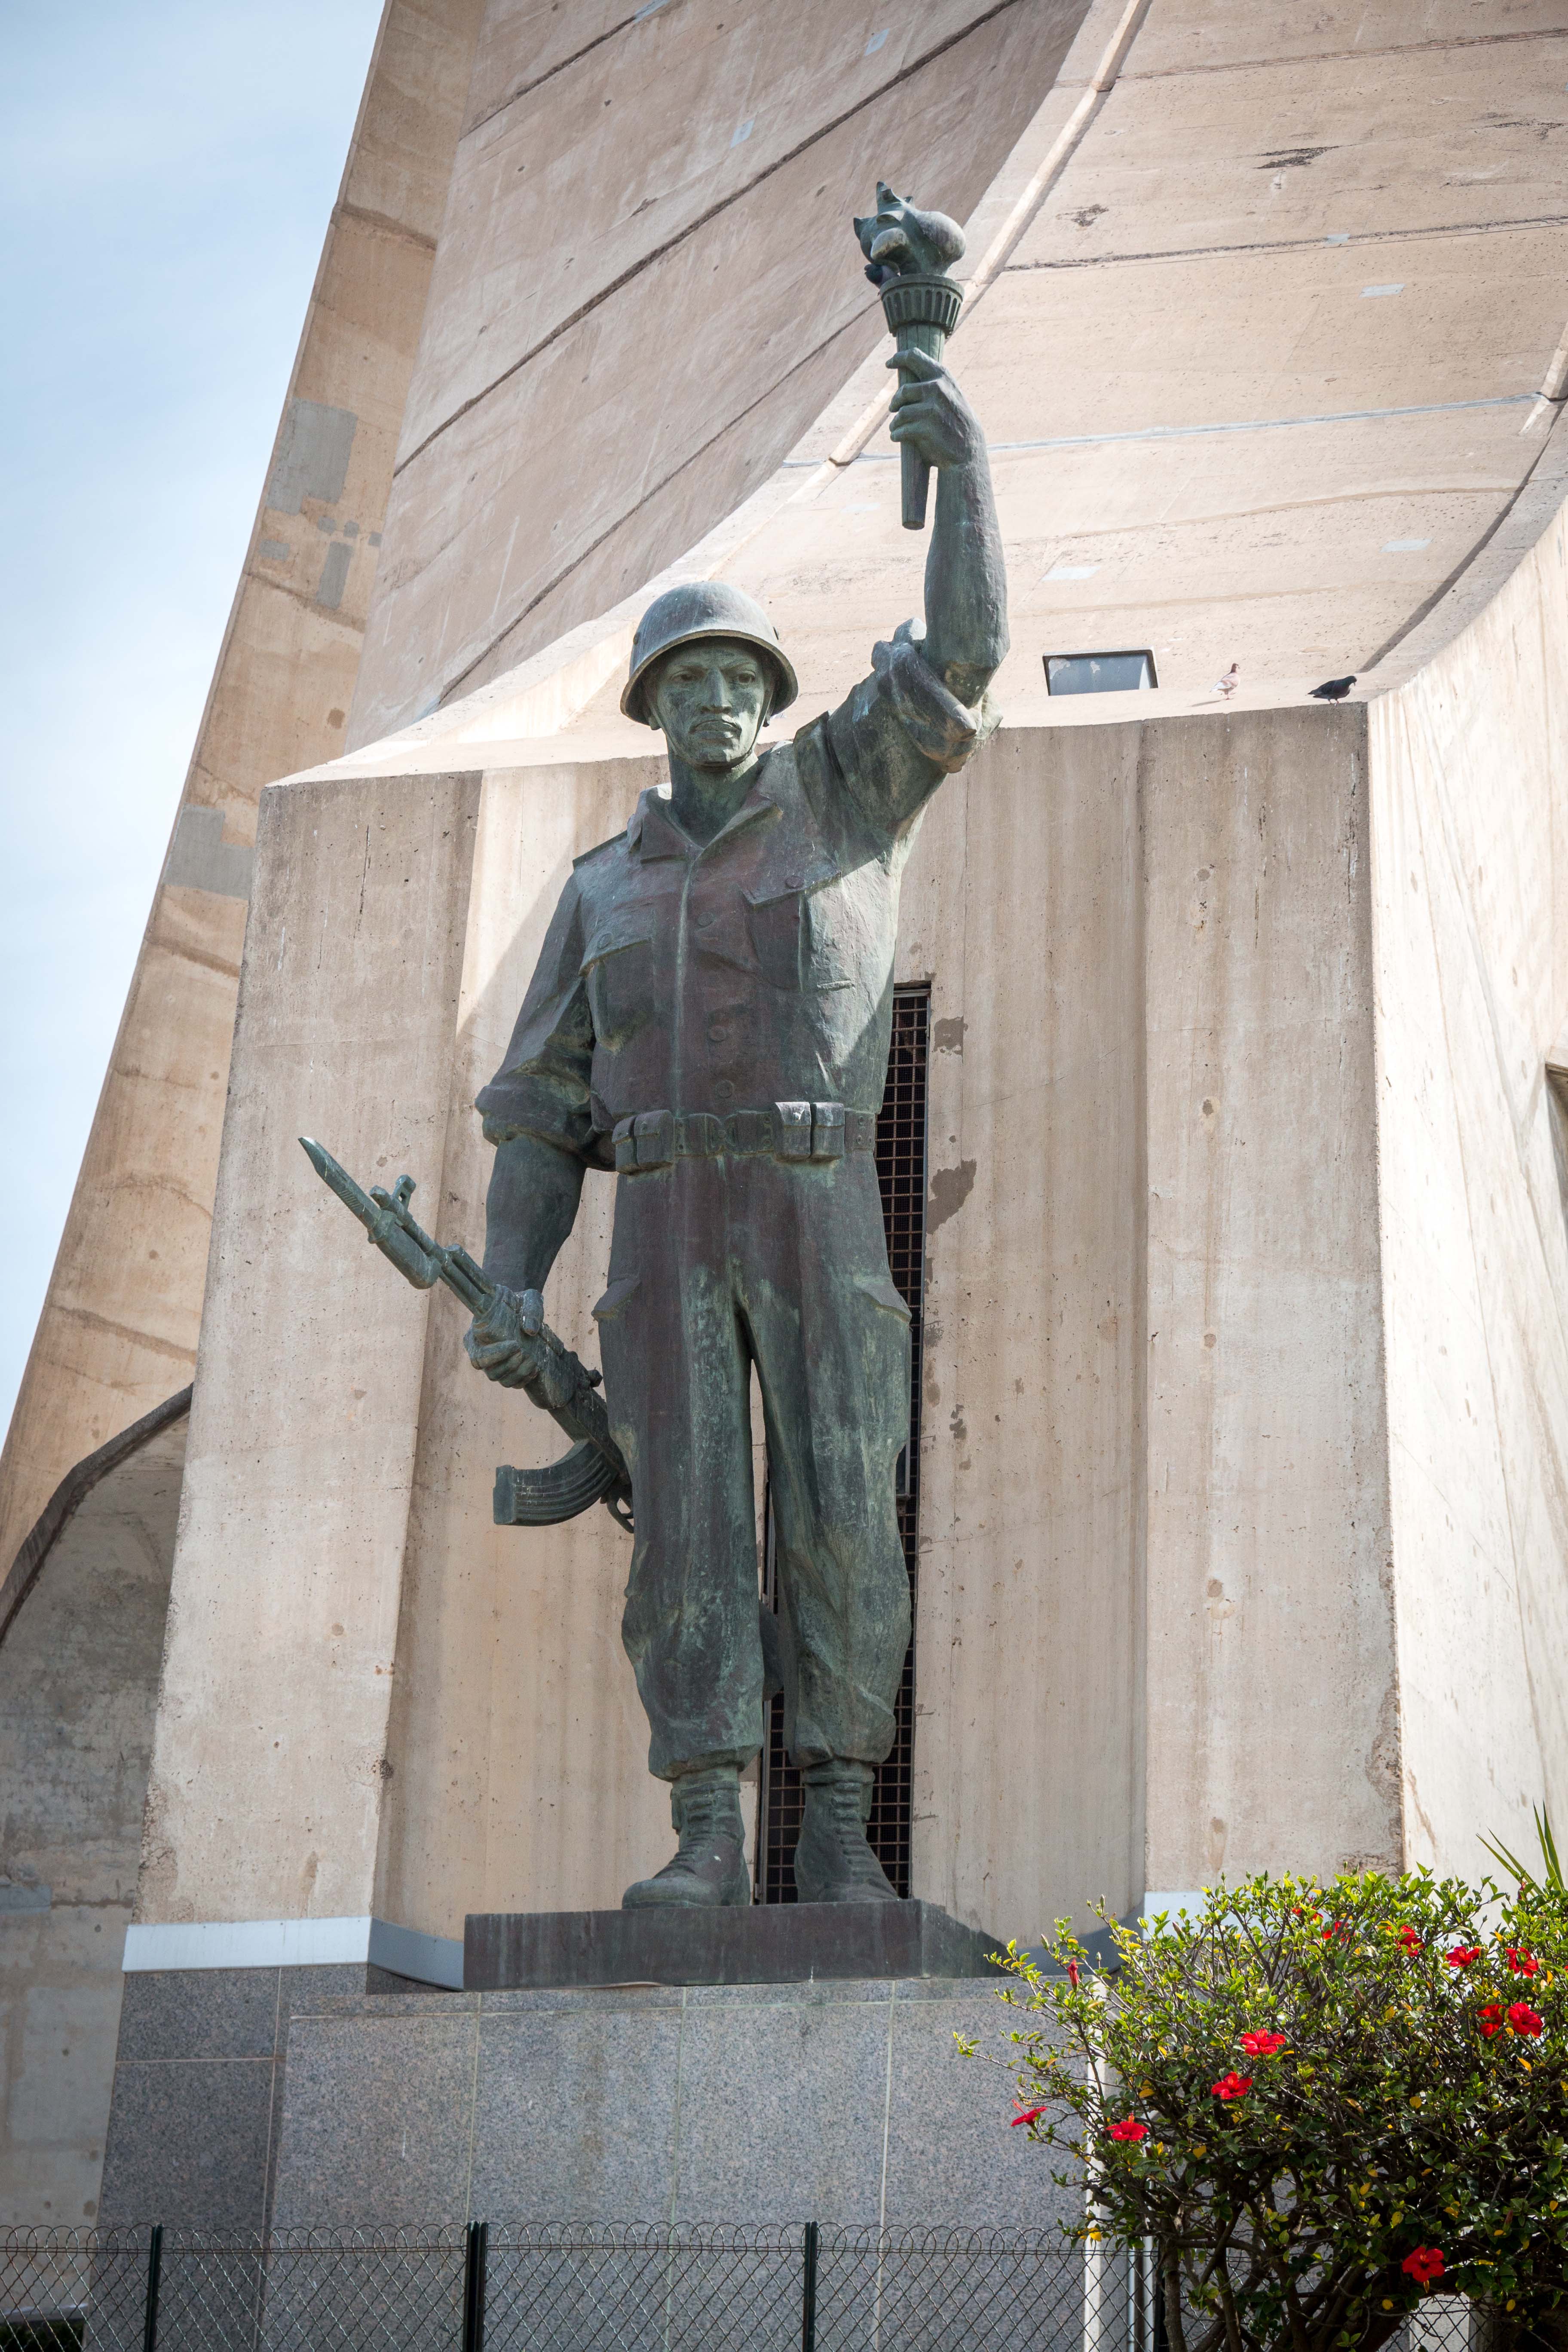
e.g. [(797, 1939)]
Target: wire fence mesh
[(566, 2287)]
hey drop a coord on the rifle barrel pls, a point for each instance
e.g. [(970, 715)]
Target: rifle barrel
[(389, 1223)]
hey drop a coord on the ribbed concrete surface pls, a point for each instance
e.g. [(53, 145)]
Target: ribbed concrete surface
[(1261, 373), (648, 288)]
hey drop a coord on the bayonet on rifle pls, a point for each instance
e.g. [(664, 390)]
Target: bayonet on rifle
[(595, 1470)]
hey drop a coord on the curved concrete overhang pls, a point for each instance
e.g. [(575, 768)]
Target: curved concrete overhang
[(1266, 325)]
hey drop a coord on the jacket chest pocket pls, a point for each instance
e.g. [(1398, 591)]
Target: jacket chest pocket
[(809, 937), (618, 973), (778, 926)]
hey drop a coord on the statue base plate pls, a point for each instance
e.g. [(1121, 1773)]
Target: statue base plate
[(784, 1943)]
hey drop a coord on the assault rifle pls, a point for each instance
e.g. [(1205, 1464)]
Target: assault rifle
[(595, 1471)]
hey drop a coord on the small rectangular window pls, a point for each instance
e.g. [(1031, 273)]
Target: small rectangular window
[(1124, 673)]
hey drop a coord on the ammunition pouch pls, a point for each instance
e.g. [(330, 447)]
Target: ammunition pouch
[(783, 1130)]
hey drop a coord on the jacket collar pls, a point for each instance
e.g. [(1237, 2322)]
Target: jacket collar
[(653, 832)]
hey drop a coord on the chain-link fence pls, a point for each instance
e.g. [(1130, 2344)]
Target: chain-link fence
[(590, 2288)]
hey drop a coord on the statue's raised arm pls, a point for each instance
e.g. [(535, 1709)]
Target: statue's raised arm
[(908, 256), (965, 585)]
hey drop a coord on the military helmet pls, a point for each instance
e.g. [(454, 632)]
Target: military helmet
[(704, 608)]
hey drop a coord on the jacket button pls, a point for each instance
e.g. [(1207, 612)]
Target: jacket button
[(724, 1090)]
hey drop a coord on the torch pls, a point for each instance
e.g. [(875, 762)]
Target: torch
[(907, 254)]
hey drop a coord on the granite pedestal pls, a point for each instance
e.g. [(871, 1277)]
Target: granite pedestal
[(755, 2066), (842, 2101), (197, 2100)]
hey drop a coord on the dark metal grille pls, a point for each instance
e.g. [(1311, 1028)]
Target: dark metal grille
[(901, 1172)]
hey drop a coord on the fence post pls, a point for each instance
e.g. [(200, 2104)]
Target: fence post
[(474, 2268), (154, 2271), (808, 2291)]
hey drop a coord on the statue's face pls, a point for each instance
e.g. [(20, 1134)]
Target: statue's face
[(710, 698)]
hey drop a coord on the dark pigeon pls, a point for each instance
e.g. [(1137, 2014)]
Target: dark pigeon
[(1332, 690)]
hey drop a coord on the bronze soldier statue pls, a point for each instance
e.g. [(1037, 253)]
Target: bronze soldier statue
[(710, 1018)]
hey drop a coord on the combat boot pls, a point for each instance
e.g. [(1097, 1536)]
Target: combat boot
[(833, 1862), (708, 1867)]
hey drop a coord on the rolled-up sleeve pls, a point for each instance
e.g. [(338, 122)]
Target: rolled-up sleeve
[(901, 731), (543, 1085)]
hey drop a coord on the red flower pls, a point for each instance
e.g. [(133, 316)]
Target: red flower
[(1336, 1932), (1262, 2046), (1232, 2086), (1523, 2018), (1410, 1940), (1029, 2115), (1523, 1963), (1128, 2129), (1463, 1954), (1424, 2265), (1490, 2019), (1072, 1974)]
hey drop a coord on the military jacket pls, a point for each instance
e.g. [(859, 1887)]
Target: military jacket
[(752, 969)]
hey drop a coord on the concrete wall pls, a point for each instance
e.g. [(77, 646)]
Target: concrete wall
[(1155, 1490), (118, 1330), (1470, 840), (1152, 1359), (1023, 905), (79, 1675), (341, 1451), (303, 1428), (1273, 1731), (521, 1751)]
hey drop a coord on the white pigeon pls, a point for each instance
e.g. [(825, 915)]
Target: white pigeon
[(1229, 682)]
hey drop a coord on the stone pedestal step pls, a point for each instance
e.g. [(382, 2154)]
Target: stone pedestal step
[(786, 1943)]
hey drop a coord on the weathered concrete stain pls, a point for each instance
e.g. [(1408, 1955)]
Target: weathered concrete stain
[(312, 460), (201, 860), (334, 574), (950, 1188)]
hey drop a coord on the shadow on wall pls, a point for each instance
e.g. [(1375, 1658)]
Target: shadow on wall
[(81, 1641)]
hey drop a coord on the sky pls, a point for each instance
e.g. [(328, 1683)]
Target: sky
[(166, 174)]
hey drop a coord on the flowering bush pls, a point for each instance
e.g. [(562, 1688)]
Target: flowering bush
[(1401, 2126)]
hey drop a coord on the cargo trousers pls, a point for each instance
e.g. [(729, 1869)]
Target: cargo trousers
[(719, 1263)]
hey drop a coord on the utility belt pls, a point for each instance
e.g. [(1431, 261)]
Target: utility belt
[(784, 1130)]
